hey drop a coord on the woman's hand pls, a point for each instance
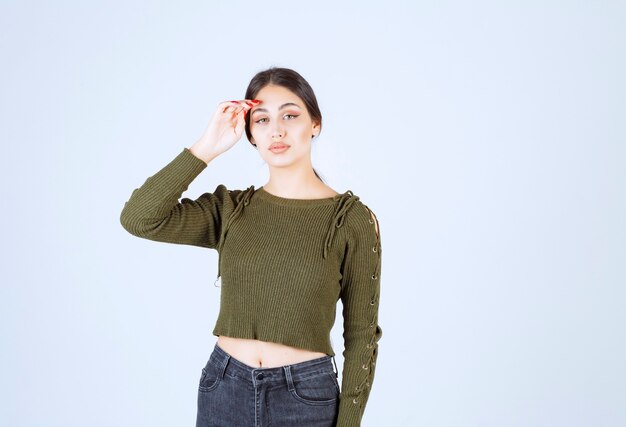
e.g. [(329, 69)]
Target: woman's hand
[(224, 130)]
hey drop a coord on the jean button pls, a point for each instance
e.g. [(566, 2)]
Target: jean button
[(259, 377)]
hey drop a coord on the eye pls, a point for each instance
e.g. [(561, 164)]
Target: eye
[(286, 115)]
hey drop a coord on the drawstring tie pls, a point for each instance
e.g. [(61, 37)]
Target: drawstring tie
[(242, 199), (345, 201)]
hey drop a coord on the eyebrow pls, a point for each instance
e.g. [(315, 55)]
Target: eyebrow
[(287, 104)]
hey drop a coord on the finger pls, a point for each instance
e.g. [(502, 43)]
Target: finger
[(227, 106), (249, 102), (243, 108), (234, 109), (237, 106), (253, 103), (241, 120), (241, 112)]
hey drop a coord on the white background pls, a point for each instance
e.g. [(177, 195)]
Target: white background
[(488, 137)]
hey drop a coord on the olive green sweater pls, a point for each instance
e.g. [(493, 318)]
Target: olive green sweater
[(283, 264)]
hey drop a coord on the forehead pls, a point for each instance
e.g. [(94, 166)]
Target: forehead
[(274, 91), (276, 98)]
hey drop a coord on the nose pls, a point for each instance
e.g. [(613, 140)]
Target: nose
[(277, 133)]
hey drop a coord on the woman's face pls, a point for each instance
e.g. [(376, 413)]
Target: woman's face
[(281, 119)]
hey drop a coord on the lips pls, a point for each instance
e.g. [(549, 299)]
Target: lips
[(278, 145)]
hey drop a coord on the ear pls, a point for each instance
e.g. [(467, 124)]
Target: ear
[(315, 129)]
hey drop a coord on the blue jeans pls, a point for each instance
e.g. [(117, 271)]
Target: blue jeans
[(232, 393)]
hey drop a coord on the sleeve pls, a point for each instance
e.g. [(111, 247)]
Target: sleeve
[(360, 291), (154, 212)]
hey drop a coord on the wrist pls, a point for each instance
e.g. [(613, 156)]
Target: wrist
[(200, 150)]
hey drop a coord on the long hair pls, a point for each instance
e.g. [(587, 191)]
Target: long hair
[(288, 79)]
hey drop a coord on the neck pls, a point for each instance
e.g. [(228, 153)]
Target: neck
[(294, 181)]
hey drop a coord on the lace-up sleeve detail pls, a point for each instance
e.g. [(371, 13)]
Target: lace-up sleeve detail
[(154, 211), (360, 290)]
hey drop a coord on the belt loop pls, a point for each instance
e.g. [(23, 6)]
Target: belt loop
[(224, 365), (336, 369), (287, 369)]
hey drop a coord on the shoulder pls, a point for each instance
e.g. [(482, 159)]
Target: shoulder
[(222, 192), (223, 189), (228, 196), (361, 219)]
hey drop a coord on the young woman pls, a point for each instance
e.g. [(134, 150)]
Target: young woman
[(287, 252)]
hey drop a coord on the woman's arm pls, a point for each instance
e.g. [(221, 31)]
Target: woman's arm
[(360, 291), (154, 212)]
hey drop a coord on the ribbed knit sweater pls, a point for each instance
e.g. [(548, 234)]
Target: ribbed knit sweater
[(283, 264)]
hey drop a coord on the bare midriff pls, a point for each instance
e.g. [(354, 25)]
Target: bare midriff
[(265, 354)]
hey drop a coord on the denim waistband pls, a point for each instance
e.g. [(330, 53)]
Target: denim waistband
[(236, 368)]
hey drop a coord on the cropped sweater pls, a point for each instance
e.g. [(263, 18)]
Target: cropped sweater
[(283, 264)]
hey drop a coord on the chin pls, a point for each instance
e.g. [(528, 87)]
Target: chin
[(284, 159)]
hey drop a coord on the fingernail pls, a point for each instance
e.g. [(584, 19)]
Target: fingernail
[(256, 100)]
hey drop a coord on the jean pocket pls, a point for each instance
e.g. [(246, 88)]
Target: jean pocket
[(319, 389), (210, 377)]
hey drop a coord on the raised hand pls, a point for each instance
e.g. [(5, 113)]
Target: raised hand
[(224, 130)]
